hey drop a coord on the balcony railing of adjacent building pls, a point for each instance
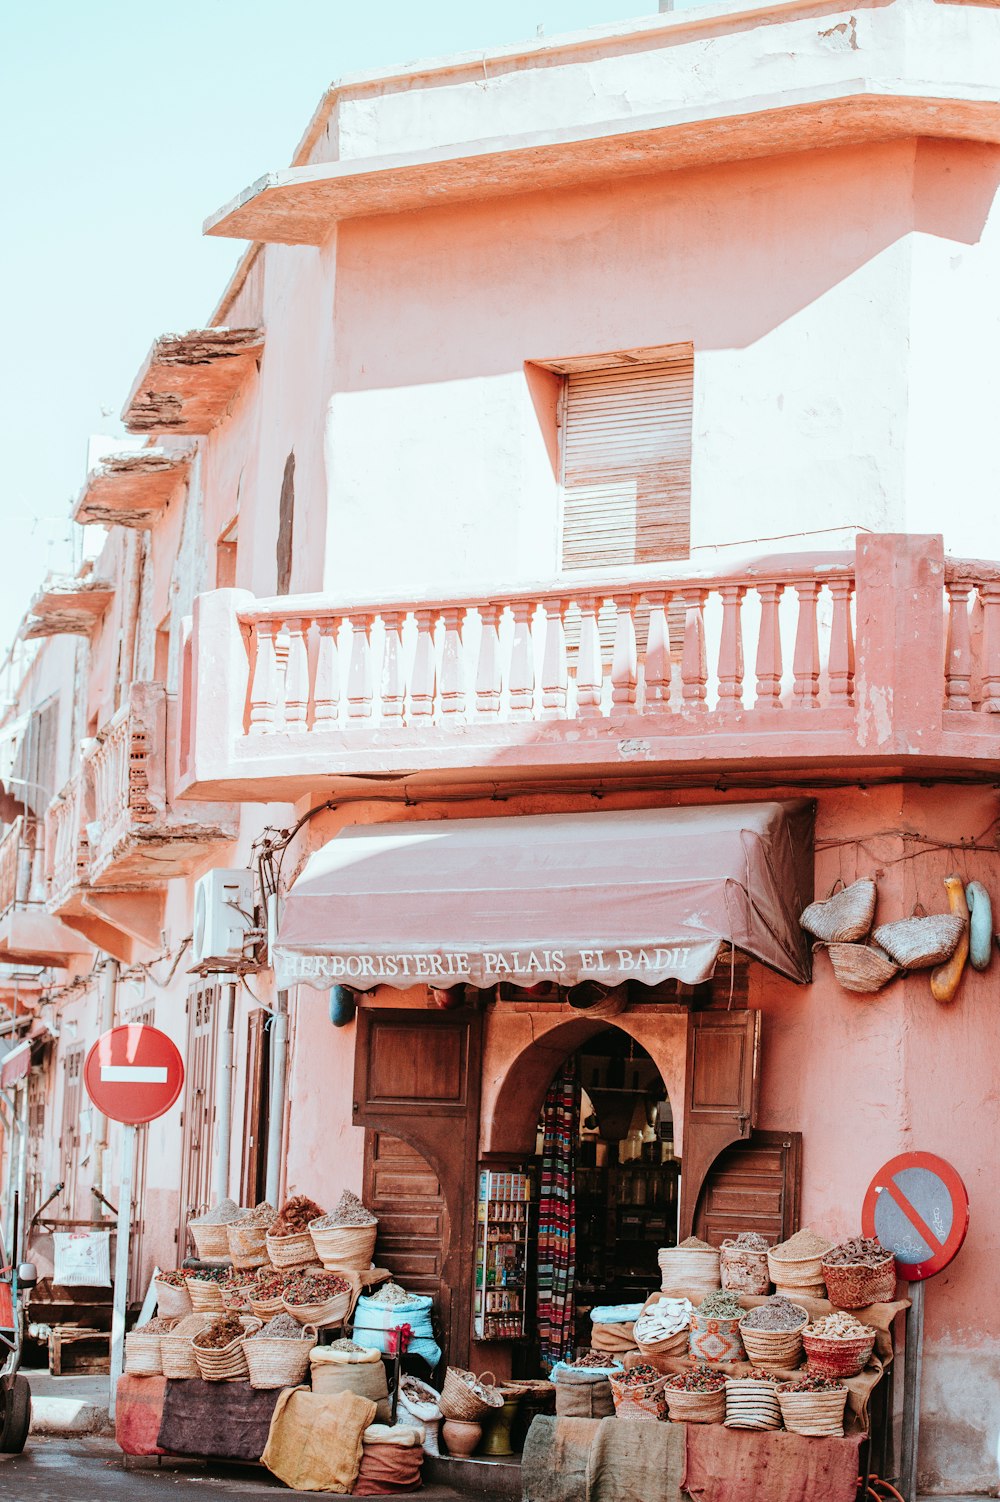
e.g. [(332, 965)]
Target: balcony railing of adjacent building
[(67, 858), (28, 933), (17, 855), (136, 835), (889, 656)]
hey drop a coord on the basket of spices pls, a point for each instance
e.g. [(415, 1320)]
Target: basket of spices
[(204, 1286), (743, 1264), (209, 1230), (317, 1298), (235, 1290), (859, 1272), (142, 1347), (638, 1392), (772, 1333), (814, 1405), (752, 1401), (265, 1292), (176, 1351), (288, 1241), (663, 1327), (466, 1396), (218, 1349), (247, 1237), (796, 1265), (696, 1397), (344, 1240), (715, 1329), (277, 1355), (172, 1298), (691, 1268), (838, 1345)]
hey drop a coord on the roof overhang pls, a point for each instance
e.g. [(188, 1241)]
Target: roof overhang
[(300, 205), (188, 381), (131, 490), (33, 937), (67, 607)]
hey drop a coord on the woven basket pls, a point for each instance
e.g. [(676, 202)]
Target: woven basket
[(830, 1356), (781, 1348), (228, 1363), (142, 1355), (639, 1400), (685, 1270), (176, 1351), (205, 1295), (212, 1241), (861, 967), (236, 1297), (851, 1285), (332, 1310), (712, 1339), (171, 1302), (290, 1251), (276, 1363), (743, 1269), (845, 916), (247, 1244), (816, 1413), (673, 1345), (916, 943), (696, 1407), (265, 1309), (458, 1401), (795, 1291), (797, 1272), (751, 1404), (345, 1248)]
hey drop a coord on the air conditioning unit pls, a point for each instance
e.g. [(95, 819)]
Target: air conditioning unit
[(223, 916)]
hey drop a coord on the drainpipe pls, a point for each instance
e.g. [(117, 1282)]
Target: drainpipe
[(224, 1096), (17, 1253), (109, 1006), (276, 1105)]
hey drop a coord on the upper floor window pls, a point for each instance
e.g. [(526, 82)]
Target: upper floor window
[(626, 457)]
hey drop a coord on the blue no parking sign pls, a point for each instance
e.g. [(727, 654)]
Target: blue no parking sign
[(918, 1208)]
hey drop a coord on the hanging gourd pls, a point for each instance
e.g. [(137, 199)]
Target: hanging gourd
[(980, 925), (945, 979)]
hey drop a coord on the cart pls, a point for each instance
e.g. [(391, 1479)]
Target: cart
[(72, 1322)]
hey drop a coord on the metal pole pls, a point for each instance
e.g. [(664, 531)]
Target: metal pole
[(120, 1304), (99, 1127), (276, 1104), (224, 1113), (912, 1373), (17, 1252)]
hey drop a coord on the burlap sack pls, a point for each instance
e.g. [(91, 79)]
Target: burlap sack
[(583, 1395)]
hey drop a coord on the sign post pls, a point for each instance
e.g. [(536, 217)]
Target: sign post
[(918, 1208), (133, 1074)]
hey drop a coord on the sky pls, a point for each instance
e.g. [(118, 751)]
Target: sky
[(126, 125)]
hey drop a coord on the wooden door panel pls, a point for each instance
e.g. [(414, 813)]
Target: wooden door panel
[(722, 1078), (753, 1186)]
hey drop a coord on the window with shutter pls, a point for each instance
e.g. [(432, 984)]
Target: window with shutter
[(626, 462)]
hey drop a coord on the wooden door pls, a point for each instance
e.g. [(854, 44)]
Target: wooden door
[(255, 1109), (416, 1089), (753, 1186), (722, 1080), (198, 1117)]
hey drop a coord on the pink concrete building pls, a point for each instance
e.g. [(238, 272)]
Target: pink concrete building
[(598, 426)]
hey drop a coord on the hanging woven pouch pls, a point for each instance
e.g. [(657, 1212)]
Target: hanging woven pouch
[(918, 943)]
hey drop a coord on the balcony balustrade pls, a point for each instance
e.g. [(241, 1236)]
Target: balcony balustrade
[(889, 657), (29, 934)]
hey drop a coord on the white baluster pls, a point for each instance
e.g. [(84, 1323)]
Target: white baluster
[(297, 674), (453, 666), (326, 692), (694, 657), (264, 688), (731, 647), (805, 659), (841, 664), (590, 661), (555, 674), (657, 662), (423, 685), (489, 680), (769, 647), (359, 673), (393, 690), (624, 660), (522, 662)]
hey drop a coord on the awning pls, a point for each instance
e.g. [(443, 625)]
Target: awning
[(15, 1065), (646, 894)]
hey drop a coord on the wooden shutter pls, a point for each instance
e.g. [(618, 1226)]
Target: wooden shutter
[(753, 1186), (199, 1107), (626, 456), (255, 1109), (721, 1084), (417, 1080)]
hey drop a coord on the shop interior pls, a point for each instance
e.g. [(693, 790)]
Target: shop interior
[(582, 1223)]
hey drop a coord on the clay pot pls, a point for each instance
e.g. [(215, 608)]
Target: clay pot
[(461, 1436)]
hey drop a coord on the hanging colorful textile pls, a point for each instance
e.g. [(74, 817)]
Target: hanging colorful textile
[(557, 1217)]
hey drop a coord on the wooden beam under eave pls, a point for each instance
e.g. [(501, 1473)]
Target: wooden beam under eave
[(189, 381)]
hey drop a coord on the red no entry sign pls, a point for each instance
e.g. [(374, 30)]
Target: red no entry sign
[(918, 1208), (134, 1074)]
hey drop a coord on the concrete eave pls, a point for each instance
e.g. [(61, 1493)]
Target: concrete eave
[(67, 607), (188, 381), (34, 937), (131, 490), (298, 206)]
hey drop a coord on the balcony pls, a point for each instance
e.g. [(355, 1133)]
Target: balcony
[(67, 607), (137, 838), (29, 934), (885, 659), (131, 490), (188, 381)]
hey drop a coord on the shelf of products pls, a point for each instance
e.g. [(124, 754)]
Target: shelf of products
[(503, 1222)]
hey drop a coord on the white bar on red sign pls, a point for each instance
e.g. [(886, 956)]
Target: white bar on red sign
[(133, 1074)]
